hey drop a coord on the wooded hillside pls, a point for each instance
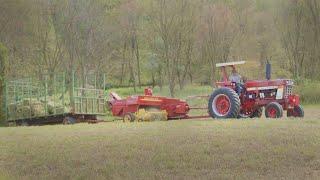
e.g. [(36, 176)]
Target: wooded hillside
[(160, 42)]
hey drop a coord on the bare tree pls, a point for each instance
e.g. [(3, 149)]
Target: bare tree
[(216, 35), (48, 52), (3, 74), (292, 36), (174, 21), (130, 16)]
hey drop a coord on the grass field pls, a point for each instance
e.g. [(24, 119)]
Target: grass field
[(190, 149)]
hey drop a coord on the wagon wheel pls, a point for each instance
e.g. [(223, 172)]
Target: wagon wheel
[(297, 111), (274, 110), (128, 117), (224, 103), (68, 120)]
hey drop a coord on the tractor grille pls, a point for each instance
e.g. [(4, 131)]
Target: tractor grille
[(289, 91)]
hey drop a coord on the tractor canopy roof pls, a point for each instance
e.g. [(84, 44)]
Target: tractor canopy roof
[(230, 63)]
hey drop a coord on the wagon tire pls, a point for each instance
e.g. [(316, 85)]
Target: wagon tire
[(129, 117), (273, 110), (68, 120), (297, 111), (224, 103)]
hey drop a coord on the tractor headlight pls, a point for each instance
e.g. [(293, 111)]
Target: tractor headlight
[(289, 82)]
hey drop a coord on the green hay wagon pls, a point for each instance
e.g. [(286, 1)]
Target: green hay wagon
[(51, 99)]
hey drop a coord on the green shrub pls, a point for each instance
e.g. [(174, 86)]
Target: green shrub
[(309, 91)]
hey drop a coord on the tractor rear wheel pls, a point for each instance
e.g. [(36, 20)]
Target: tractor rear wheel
[(274, 110), (297, 111), (129, 117), (224, 103)]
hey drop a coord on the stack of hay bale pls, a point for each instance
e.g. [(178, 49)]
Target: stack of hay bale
[(22, 109), (29, 108), (23, 112), (55, 108), (37, 109)]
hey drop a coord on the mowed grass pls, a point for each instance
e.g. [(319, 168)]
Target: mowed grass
[(186, 149)]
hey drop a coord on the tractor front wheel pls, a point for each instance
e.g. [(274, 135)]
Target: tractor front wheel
[(297, 111), (224, 103), (274, 110)]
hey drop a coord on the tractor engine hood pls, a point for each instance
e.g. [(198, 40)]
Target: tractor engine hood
[(268, 83)]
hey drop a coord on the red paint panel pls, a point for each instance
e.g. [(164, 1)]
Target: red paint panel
[(264, 83)]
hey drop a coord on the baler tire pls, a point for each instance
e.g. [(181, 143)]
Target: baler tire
[(298, 110), (275, 108), (234, 103), (128, 117), (257, 113)]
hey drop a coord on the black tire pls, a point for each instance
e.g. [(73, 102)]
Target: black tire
[(297, 112), (276, 107), (257, 113), (69, 120), (234, 108), (129, 117)]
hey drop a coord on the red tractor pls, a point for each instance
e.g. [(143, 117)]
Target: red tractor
[(248, 98)]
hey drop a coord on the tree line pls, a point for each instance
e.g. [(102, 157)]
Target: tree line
[(159, 42)]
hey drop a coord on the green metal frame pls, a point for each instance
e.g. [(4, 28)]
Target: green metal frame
[(89, 97)]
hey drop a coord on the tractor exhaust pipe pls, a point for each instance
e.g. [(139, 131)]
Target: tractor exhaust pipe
[(268, 70)]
